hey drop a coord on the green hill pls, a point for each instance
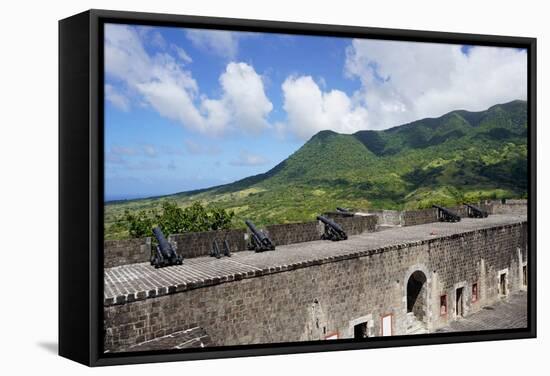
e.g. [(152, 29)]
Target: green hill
[(459, 156)]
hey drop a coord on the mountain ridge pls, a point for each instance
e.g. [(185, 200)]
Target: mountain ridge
[(460, 156)]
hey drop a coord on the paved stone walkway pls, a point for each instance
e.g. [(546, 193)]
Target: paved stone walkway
[(506, 314), (128, 283)]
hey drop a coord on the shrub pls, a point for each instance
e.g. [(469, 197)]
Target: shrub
[(173, 219)]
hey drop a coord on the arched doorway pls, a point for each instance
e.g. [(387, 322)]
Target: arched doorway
[(417, 295)]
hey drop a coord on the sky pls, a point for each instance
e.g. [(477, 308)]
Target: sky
[(189, 108)]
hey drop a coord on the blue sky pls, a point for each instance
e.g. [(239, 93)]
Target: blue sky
[(188, 109)]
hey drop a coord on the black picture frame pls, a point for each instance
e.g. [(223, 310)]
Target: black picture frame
[(81, 185)]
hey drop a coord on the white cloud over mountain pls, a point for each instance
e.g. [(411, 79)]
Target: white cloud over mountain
[(402, 82), (310, 109), (162, 82)]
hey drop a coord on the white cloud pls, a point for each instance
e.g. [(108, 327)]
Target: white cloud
[(310, 110), (157, 40), (116, 98), (182, 54), (404, 81), (162, 83), (125, 57), (219, 42), (248, 159), (244, 95)]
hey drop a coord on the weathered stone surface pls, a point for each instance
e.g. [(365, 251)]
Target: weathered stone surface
[(294, 232), (419, 217), (517, 207), (357, 224), (308, 291), (122, 252), (505, 314), (197, 244), (388, 217)]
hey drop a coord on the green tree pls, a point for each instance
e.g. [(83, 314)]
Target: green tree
[(196, 218), (139, 224), (173, 219), (220, 219)]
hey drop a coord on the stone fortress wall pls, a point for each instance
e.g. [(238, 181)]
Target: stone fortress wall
[(389, 289), (123, 252), (197, 244)]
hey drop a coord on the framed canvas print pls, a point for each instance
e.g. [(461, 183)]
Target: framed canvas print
[(236, 187)]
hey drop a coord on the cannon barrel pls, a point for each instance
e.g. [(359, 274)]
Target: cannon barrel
[(330, 223), (344, 212), (165, 255), (164, 246), (475, 212), (254, 230), (333, 231), (226, 248), (215, 251), (260, 242), (446, 215)]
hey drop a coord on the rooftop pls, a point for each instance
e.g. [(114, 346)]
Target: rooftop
[(132, 282)]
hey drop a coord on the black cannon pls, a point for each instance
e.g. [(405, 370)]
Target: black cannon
[(445, 215), (164, 254), (344, 212), (226, 249), (215, 251), (259, 241), (475, 212), (333, 231)]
